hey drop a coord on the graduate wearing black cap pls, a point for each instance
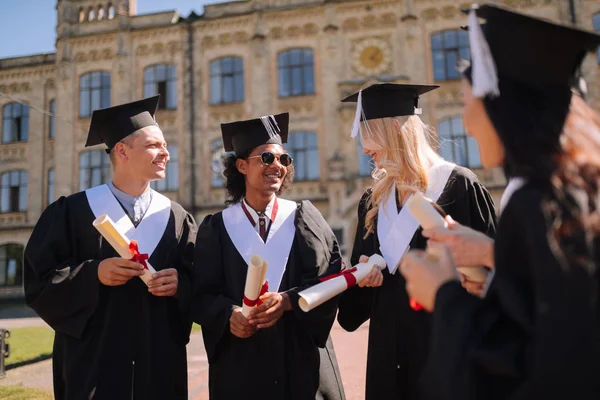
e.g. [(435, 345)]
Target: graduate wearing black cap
[(392, 133), (279, 351), (536, 335), (115, 337)]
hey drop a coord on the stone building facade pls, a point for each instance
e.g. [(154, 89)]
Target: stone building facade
[(237, 60)]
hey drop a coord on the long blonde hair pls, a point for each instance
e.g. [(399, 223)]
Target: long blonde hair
[(407, 153)]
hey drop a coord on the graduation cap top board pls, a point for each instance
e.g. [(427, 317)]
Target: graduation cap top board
[(243, 136), (113, 124), (522, 48), (386, 100)]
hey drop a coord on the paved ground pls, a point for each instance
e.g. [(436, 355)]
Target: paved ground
[(351, 351)]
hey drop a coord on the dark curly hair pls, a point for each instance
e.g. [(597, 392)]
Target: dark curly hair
[(235, 181)]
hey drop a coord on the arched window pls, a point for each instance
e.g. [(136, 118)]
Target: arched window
[(111, 11), (13, 191), (303, 148), (94, 92), (91, 14), (51, 119), (11, 265), (15, 122), (100, 12), (227, 80), (161, 79), (296, 72), (81, 15), (94, 169), (455, 145), (447, 48)]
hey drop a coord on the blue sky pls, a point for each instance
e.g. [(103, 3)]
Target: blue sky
[(29, 26)]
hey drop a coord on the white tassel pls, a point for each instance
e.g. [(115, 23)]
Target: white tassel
[(359, 112), (272, 128), (483, 68), (418, 111)]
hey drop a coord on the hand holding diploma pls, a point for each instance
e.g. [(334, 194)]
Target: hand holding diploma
[(118, 271), (373, 278), (469, 248), (335, 284), (425, 272), (111, 272), (164, 283), (239, 325), (272, 308)]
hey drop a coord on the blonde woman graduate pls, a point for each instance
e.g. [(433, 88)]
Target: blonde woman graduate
[(388, 124)]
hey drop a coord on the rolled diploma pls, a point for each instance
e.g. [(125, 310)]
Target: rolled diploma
[(255, 276), (318, 294), (429, 218), (119, 242)]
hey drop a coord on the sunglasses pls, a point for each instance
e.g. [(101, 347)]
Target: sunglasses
[(268, 158)]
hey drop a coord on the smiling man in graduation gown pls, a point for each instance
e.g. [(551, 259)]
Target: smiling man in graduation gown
[(278, 352), (116, 338)]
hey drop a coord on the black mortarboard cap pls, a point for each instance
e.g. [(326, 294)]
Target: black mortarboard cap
[(532, 50), (243, 136), (383, 100), (111, 125)]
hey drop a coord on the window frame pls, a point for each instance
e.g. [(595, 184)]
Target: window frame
[(16, 193), (105, 168), (367, 161), (461, 48), (52, 119), (171, 172), (50, 178), (5, 259), (466, 142), (217, 154), (87, 88), (287, 67), (234, 77), (166, 100), (302, 164), (8, 121)]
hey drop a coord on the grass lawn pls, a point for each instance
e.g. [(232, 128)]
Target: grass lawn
[(29, 344), (23, 393), (196, 328)]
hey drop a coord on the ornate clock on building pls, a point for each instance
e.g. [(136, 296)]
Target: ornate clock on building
[(371, 56)]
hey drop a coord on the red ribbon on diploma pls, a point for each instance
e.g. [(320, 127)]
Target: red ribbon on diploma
[(415, 305), (137, 256), (347, 274), (258, 301)]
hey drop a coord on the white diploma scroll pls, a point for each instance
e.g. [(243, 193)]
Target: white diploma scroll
[(119, 242), (318, 294), (429, 218), (257, 269)]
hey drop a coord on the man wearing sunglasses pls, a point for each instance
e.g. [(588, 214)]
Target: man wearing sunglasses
[(278, 352)]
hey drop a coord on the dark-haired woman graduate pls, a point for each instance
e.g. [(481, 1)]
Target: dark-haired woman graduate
[(536, 333), (394, 135), (278, 352)]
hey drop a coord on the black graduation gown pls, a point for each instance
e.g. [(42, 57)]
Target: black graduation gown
[(398, 335), (116, 342), (536, 333), (294, 359)]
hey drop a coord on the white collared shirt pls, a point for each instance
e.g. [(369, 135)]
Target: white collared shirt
[(266, 216)]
